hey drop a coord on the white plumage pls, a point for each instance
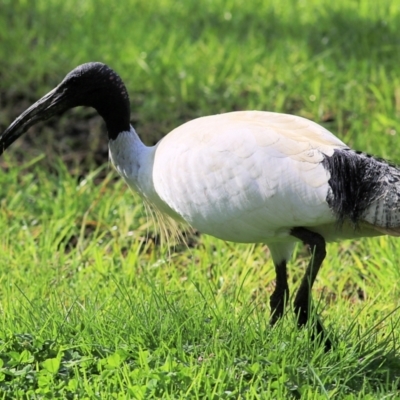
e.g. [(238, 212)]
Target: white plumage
[(246, 176), (251, 177)]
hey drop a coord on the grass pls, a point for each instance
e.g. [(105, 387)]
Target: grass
[(92, 306), (333, 62)]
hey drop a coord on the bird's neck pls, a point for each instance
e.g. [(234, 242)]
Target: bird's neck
[(111, 103), (133, 161)]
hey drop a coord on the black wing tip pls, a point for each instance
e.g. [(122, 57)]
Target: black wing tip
[(356, 181)]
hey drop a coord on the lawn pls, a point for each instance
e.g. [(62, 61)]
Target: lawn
[(92, 303)]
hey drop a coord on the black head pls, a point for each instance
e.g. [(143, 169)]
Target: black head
[(94, 85)]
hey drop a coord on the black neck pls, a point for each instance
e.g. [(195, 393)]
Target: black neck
[(111, 100), (113, 105)]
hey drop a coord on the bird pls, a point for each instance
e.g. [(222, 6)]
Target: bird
[(243, 176)]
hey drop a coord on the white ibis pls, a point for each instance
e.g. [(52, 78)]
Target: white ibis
[(251, 176)]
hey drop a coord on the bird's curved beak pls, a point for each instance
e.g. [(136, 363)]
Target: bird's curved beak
[(50, 104)]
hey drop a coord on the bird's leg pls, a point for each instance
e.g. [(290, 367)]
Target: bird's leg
[(280, 297), (316, 243)]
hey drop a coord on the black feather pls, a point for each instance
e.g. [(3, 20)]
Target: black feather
[(361, 184)]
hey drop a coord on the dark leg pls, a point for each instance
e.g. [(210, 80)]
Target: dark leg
[(302, 302), (280, 297)]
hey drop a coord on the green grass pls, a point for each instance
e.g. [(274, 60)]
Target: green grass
[(329, 61), (91, 305)]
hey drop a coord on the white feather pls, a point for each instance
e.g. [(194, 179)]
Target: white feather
[(242, 176)]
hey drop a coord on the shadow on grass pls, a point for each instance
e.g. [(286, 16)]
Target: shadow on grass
[(335, 35)]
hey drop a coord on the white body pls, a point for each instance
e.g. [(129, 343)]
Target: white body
[(241, 176)]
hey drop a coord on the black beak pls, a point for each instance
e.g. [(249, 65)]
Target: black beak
[(52, 103)]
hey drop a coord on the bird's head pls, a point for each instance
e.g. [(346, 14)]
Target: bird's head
[(94, 85)]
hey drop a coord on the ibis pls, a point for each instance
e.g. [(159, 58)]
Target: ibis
[(246, 176)]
